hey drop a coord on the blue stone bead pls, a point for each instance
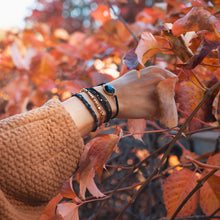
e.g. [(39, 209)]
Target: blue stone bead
[(110, 90)]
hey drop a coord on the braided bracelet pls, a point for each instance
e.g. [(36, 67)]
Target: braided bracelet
[(103, 101), (96, 103), (89, 108)]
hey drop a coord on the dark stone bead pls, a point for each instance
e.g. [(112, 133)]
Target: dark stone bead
[(109, 89)]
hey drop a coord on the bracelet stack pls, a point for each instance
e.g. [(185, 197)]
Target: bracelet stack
[(101, 103)]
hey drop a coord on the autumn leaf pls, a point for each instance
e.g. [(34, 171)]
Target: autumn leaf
[(101, 14), (208, 199), (188, 95), (42, 71), (86, 180), (49, 211), (68, 192), (210, 191), (146, 48), (205, 47), (216, 106), (196, 20), (176, 187), (101, 150), (165, 91), (94, 156), (22, 63), (131, 60), (137, 126), (69, 211)]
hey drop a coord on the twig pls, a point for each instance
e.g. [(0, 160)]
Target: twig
[(123, 21), (127, 176), (208, 166), (208, 93), (197, 217), (202, 130), (198, 186), (194, 118), (218, 209), (198, 80)]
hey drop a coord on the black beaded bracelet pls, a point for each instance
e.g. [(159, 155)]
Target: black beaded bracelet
[(103, 101), (89, 108)]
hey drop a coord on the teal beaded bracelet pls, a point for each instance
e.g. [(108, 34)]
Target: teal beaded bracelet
[(110, 90)]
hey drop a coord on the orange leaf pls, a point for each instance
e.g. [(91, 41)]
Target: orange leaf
[(146, 48), (196, 20), (68, 192), (101, 14), (101, 150), (86, 181), (42, 70), (188, 96), (49, 211), (176, 187), (208, 199), (69, 211), (210, 192), (137, 126), (216, 106), (165, 92)]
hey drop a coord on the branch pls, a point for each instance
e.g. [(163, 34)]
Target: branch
[(208, 166), (202, 130), (208, 93), (198, 186), (123, 21), (128, 175)]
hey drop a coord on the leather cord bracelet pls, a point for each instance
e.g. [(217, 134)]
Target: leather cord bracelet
[(103, 101), (92, 97), (89, 108)]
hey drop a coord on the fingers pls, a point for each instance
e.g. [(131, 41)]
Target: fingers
[(157, 70)]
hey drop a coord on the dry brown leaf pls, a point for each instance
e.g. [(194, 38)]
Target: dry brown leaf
[(165, 91)]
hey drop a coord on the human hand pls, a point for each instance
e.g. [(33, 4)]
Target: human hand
[(142, 97)]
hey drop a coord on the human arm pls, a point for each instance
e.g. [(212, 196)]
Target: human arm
[(136, 98)]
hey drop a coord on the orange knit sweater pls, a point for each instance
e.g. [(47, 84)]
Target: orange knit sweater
[(39, 150)]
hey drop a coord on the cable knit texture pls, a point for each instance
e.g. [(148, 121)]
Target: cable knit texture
[(39, 150)]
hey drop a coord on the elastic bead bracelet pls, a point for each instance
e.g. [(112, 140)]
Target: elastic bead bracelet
[(89, 108), (110, 90), (103, 101), (96, 104)]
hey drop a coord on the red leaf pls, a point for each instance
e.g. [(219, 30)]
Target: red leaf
[(176, 187), (205, 47), (68, 192), (101, 150), (137, 126), (49, 211), (188, 96)]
